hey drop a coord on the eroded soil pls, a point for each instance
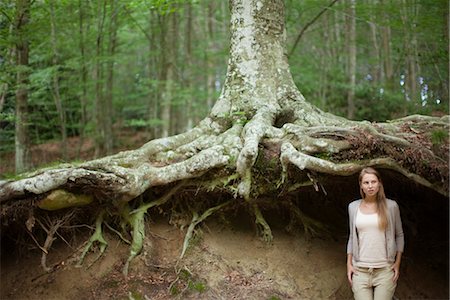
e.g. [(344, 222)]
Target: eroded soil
[(226, 261)]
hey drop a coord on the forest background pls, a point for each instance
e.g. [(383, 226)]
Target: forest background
[(95, 77)]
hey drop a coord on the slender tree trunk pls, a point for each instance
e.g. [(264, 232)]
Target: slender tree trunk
[(153, 73), (388, 74), (169, 78), (22, 151), (210, 74), (98, 79), (189, 118), (10, 59), (83, 75), (351, 59), (375, 49), (56, 94), (108, 107)]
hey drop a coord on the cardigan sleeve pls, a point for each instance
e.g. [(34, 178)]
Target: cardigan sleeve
[(399, 236), (350, 236)]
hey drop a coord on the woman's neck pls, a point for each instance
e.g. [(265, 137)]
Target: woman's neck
[(370, 199)]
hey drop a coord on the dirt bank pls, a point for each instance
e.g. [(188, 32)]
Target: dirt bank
[(226, 261)]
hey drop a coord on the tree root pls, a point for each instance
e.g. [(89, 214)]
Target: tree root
[(264, 228), (136, 219), (196, 219), (312, 228), (96, 237), (303, 161), (51, 229)]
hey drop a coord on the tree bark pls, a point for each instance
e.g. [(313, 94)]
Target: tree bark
[(375, 71), (351, 19), (386, 52), (108, 105), (56, 93), (99, 105), (154, 75), (188, 115), (83, 75), (22, 145)]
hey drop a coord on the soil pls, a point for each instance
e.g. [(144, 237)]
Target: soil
[(226, 260)]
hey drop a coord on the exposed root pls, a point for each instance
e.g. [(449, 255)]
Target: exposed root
[(118, 233), (263, 226), (137, 222), (196, 219), (96, 237), (136, 219), (312, 228), (51, 229), (254, 131), (303, 161)]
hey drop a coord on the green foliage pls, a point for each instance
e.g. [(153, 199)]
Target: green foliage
[(325, 82), (197, 286), (187, 278), (438, 137)]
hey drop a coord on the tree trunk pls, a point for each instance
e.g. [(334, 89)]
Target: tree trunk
[(167, 67), (56, 94), (351, 59), (83, 76), (108, 105), (99, 105), (409, 18), (386, 52), (210, 75), (154, 75), (21, 52), (189, 116), (375, 71)]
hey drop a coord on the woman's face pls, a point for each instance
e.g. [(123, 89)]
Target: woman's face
[(370, 185)]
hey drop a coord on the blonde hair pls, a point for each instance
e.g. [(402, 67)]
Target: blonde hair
[(380, 199)]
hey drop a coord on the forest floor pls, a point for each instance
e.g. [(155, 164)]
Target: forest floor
[(226, 261)]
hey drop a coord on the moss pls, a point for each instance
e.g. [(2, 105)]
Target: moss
[(59, 199), (323, 155)]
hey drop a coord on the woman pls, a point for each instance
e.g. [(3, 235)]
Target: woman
[(376, 241)]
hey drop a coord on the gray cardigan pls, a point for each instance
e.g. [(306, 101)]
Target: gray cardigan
[(395, 241)]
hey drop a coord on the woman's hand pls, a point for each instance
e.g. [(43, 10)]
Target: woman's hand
[(396, 269), (350, 271), (396, 266)]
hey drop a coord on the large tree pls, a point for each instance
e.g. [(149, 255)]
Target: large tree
[(260, 138)]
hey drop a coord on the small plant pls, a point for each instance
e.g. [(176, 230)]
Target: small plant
[(174, 290), (438, 137), (197, 286)]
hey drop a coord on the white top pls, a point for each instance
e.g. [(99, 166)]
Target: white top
[(372, 241)]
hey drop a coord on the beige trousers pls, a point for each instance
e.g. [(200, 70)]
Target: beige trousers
[(373, 284)]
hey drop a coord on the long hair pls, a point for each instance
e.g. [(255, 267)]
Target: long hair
[(380, 199)]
